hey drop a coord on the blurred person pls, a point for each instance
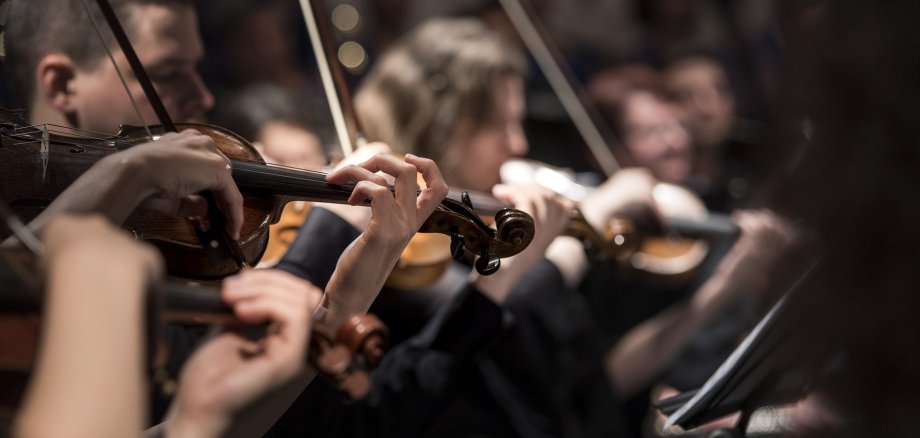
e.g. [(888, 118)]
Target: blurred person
[(728, 163), (259, 45), (653, 134), (98, 280), (700, 86), (453, 90), (650, 126), (255, 42), (850, 98), (269, 117), (88, 378)]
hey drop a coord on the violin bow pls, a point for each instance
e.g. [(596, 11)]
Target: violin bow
[(221, 249), (29, 240), (343, 111), (599, 139)]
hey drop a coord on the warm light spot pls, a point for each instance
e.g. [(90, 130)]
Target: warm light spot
[(352, 55), (345, 18)]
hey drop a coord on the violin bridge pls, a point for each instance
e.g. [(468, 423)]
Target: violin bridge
[(44, 152)]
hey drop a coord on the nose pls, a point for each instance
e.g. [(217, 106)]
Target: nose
[(517, 141), (675, 137), (200, 100)]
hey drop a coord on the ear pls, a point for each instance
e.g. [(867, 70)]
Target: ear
[(54, 82)]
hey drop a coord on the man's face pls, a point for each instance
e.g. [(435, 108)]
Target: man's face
[(655, 137), (167, 42), (701, 88)]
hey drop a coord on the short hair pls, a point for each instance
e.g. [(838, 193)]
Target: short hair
[(436, 85), (36, 28)]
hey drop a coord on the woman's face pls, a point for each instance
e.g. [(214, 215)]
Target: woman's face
[(478, 159), (655, 137)]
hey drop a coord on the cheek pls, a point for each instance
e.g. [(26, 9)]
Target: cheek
[(103, 107), (644, 152)]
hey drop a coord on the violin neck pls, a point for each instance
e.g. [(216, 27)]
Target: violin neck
[(284, 181), (715, 226)]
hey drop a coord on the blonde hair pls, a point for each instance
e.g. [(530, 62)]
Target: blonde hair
[(435, 87)]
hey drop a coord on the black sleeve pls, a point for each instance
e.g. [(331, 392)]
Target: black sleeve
[(413, 383), (320, 242)]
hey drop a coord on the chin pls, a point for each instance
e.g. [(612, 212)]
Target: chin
[(674, 175)]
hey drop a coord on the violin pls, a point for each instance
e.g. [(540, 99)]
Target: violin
[(662, 255), (424, 260), (39, 162), (343, 356)]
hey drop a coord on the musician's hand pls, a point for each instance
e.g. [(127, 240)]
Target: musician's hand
[(764, 239), (92, 245), (550, 214), (96, 281), (628, 192), (229, 382), (358, 216), (176, 167), (366, 264), (364, 153)]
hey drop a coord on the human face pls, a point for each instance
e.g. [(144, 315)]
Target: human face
[(502, 138), (701, 89), (167, 42), (655, 138), (292, 145)]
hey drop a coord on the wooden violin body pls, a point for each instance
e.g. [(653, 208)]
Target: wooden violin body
[(644, 254), (38, 165)]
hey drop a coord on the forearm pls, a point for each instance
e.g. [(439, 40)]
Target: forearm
[(113, 188), (88, 381), (358, 278), (646, 351), (255, 420), (568, 254)]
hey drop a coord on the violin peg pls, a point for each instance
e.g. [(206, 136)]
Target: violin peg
[(487, 263), (465, 199), (456, 246), (355, 385), (334, 360)]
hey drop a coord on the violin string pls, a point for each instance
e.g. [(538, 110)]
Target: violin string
[(121, 76)]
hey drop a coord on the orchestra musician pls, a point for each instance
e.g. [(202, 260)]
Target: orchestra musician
[(62, 83), (545, 376), (89, 379), (453, 89)]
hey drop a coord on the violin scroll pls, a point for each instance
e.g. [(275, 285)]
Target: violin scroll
[(515, 230), (346, 357)]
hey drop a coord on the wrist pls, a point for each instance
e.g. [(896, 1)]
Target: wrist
[(181, 426), (131, 175), (568, 255)]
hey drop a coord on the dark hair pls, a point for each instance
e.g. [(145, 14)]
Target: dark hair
[(248, 110), (36, 28)]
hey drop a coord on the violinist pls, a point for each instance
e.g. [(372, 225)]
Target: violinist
[(63, 78), (426, 368), (452, 90), (89, 378)]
